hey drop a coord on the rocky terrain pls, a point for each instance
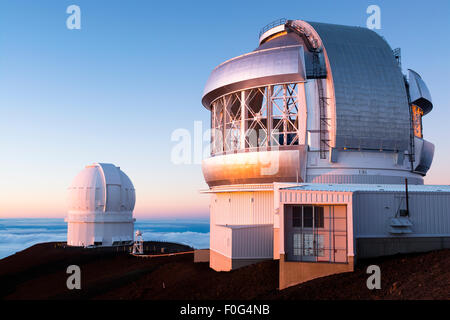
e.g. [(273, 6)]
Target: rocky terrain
[(39, 272)]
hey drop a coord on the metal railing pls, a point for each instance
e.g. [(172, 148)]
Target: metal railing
[(271, 25)]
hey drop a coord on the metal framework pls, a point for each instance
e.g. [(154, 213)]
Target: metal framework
[(324, 121), (261, 117), (138, 245), (271, 25)]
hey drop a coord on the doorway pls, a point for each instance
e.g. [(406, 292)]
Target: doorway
[(315, 233)]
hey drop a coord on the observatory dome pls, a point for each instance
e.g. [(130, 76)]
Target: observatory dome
[(318, 103), (101, 187), (101, 202)]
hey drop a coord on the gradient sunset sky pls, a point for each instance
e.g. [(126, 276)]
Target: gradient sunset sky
[(117, 89)]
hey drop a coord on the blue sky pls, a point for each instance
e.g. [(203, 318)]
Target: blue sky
[(115, 90)]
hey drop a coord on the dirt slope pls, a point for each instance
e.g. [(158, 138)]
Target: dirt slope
[(39, 272)]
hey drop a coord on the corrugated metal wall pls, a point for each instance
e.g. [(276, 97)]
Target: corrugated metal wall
[(242, 224), (362, 179), (429, 213), (253, 242), (242, 208)]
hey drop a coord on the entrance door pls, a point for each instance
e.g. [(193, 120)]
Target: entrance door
[(315, 233), (302, 222)]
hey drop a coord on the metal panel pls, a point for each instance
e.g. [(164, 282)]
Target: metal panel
[(255, 69), (101, 187), (372, 110), (252, 242), (367, 187), (255, 167), (363, 179), (272, 31), (429, 213), (242, 208), (221, 241), (263, 208), (424, 155), (418, 92), (242, 224), (220, 208)]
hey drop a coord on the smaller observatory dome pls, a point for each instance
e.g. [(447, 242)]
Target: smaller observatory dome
[(101, 187), (101, 203)]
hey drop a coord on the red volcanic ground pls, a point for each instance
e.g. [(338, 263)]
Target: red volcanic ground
[(39, 272)]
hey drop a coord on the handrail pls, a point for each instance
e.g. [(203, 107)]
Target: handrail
[(160, 255), (271, 25)]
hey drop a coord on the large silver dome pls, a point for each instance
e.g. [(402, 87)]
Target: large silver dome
[(329, 102)]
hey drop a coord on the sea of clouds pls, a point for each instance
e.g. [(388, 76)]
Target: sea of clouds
[(19, 234)]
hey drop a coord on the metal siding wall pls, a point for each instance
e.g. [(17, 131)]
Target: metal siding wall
[(361, 179), (253, 242), (241, 208), (237, 208), (222, 241), (371, 217), (255, 238), (222, 208), (263, 208), (429, 213)]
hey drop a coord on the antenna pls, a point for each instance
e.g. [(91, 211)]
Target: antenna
[(407, 198)]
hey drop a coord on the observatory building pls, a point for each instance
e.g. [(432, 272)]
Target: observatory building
[(314, 134), (101, 203)]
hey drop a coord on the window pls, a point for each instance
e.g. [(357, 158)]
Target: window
[(307, 217), (258, 117), (297, 246), (315, 233), (297, 217), (308, 244), (318, 217), (320, 246), (308, 241), (417, 114)]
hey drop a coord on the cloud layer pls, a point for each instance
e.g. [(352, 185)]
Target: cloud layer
[(19, 234)]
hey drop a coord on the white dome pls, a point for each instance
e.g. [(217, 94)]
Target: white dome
[(101, 187)]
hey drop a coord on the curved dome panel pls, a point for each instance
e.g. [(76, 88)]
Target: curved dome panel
[(274, 65), (424, 154), (101, 187), (418, 92), (372, 110), (128, 195)]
